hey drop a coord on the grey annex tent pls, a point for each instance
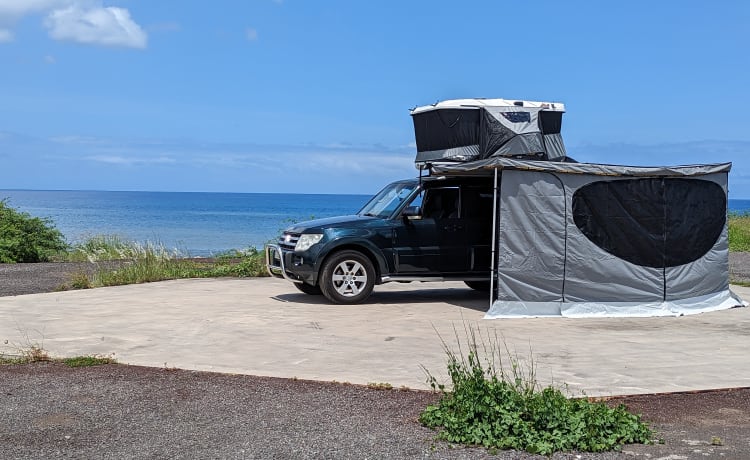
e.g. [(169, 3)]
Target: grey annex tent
[(578, 239), (585, 240)]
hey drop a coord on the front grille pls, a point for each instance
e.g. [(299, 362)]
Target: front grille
[(288, 240)]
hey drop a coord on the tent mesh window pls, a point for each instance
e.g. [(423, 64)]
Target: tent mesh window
[(653, 222), (445, 129)]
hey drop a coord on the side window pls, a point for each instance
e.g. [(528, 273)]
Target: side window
[(441, 203), (418, 200)]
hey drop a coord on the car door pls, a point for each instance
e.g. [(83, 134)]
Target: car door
[(435, 243), (415, 242)]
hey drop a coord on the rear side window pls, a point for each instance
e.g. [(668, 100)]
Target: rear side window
[(653, 222)]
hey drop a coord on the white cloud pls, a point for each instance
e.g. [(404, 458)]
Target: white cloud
[(12, 10), (251, 34), (81, 21), (108, 26), (79, 140), (49, 59), (129, 161)]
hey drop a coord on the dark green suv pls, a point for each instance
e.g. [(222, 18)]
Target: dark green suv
[(427, 229)]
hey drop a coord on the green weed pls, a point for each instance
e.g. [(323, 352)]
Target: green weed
[(495, 402), (240, 264), (80, 280), (88, 361)]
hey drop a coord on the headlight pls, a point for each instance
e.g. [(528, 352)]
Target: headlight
[(306, 241)]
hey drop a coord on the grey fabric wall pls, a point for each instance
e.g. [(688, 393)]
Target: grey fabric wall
[(531, 237), (543, 256)]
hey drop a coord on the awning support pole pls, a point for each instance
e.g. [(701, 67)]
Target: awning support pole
[(493, 263)]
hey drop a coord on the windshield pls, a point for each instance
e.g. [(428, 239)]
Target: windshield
[(388, 200)]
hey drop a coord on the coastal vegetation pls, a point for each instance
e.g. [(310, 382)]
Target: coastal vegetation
[(118, 261), (739, 232), (24, 238), (115, 260), (496, 402)]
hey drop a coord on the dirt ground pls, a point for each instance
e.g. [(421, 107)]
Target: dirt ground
[(118, 411)]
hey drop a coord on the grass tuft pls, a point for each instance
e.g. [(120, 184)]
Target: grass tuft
[(497, 403), (88, 361), (148, 262), (382, 386), (80, 280), (34, 352), (30, 352)]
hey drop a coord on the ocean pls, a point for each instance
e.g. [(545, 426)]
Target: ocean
[(196, 223)]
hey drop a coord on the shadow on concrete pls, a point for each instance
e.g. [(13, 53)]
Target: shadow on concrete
[(459, 297)]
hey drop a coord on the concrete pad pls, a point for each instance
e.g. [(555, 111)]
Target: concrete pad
[(266, 327)]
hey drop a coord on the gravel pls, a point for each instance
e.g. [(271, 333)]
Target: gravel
[(48, 410), (117, 411), (18, 279)]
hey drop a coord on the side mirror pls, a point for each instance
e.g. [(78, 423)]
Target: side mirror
[(412, 213)]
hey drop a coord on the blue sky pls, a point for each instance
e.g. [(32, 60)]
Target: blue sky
[(313, 96)]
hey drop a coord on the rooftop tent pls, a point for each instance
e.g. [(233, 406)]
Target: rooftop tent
[(588, 240), (463, 130)]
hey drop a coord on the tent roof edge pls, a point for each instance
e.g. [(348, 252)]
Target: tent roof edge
[(490, 164)]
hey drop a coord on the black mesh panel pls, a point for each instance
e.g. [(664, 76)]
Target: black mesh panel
[(446, 128), (655, 222), (551, 122)]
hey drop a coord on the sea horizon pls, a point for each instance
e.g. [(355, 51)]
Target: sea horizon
[(197, 224), (194, 223)]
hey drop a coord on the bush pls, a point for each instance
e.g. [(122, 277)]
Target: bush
[(491, 407), (24, 238)]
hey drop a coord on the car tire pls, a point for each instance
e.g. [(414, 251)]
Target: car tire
[(308, 289), (481, 286), (347, 277)]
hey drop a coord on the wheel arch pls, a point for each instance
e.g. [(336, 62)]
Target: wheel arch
[(373, 254)]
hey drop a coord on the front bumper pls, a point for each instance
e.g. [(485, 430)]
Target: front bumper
[(289, 265)]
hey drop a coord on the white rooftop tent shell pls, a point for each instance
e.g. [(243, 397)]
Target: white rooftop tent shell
[(472, 129), (587, 240)]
